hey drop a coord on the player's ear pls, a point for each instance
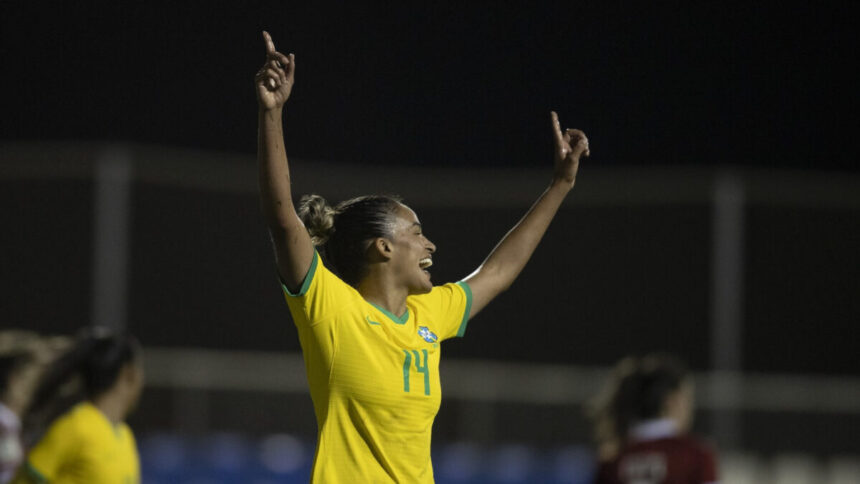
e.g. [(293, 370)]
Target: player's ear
[(382, 247)]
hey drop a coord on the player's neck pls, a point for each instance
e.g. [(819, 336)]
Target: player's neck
[(112, 404), (384, 293)]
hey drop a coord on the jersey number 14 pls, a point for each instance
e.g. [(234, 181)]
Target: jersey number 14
[(407, 369)]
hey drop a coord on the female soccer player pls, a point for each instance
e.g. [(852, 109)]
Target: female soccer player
[(16, 377), (369, 320), (90, 443), (24, 355), (642, 418)]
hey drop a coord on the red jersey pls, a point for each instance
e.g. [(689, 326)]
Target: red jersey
[(656, 454)]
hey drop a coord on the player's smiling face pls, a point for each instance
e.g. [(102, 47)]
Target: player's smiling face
[(413, 252)]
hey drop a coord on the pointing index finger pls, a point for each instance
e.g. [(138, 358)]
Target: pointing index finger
[(270, 46), (556, 128)]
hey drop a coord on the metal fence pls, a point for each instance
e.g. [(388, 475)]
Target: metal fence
[(751, 276)]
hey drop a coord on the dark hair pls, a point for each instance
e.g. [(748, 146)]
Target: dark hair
[(95, 359), (636, 391), (342, 234)]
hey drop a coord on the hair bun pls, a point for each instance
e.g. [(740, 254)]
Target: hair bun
[(318, 217)]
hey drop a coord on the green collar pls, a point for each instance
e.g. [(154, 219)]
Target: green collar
[(400, 320)]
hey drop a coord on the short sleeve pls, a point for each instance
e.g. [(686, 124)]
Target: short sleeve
[(51, 452), (449, 305), (321, 295)]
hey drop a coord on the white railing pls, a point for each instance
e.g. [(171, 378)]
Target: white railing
[(495, 381)]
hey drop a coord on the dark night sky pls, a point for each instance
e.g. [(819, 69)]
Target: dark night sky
[(651, 83)]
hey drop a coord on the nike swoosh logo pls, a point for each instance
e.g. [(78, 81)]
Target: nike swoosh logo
[(372, 322)]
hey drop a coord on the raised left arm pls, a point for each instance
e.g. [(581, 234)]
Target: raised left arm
[(510, 255)]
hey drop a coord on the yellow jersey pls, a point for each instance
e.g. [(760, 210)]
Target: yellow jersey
[(83, 447), (373, 376)]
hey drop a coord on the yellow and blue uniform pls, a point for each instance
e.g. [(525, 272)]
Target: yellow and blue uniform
[(373, 376), (83, 447)]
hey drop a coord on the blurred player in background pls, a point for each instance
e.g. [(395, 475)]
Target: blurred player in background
[(369, 319), (89, 443), (23, 357), (642, 418), (15, 358)]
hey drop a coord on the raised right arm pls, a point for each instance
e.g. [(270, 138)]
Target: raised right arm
[(293, 248)]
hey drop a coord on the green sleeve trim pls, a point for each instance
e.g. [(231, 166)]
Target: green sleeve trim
[(35, 474), (308, 278), (468, 291)]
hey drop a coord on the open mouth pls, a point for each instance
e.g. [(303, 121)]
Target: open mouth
[(425, 263)]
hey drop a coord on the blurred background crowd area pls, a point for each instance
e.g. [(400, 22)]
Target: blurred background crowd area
[(749, 276)]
